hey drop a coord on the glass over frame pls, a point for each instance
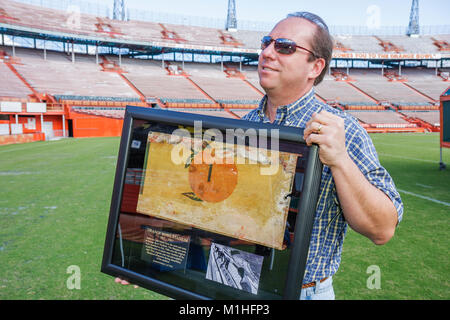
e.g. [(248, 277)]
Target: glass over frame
[(208, 208)]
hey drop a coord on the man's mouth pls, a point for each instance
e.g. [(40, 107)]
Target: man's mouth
[(266, 68)]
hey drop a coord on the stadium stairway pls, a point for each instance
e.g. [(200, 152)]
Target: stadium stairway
[(421, 122), (232, 72), (9, 64), (253, 87), (52, 104), (111, 66), (215, 103), (363, 92), (170, 34), (419, 92)]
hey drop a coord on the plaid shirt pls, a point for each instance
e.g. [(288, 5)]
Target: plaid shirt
[(330, 227)]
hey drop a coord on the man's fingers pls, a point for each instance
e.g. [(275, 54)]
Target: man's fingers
[(313, 127), (124, 282), (326, 118), (313, 138), (317, 123)]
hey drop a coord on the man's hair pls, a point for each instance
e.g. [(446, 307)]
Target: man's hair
[(322, 42)]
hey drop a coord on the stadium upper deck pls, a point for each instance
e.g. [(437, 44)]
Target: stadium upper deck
[(23, 19)]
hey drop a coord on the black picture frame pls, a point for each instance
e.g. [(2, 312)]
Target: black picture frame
[(298, 250)]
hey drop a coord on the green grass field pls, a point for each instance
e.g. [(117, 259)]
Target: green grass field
[(55, 204)]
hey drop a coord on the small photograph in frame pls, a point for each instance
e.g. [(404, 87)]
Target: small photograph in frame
[(234, 268), (221, 210)]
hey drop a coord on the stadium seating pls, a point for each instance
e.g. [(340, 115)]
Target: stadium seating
[(137, 30), (200, 36), (210, 112), (378, 87), (442, 38), (360, 43), (426, 81), (165, 87), (381, 119), (239, 112), (342, 92), (251, 39), (48, 19), (11, 86), (228, 91), (208, 87), (37, 17), (406, 98), (57, 75), (116, 113), (424, 44), (251, 74), (430, 117)]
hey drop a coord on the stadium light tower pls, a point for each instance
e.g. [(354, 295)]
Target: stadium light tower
[(119, 10), (413, 27), (231, 17)]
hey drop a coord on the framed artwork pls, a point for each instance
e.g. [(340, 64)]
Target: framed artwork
[(211, 208)]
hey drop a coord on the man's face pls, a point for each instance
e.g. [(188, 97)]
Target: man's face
[(288, 75)]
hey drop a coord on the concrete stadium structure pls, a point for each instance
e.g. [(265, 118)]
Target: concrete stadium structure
[(64, 75)]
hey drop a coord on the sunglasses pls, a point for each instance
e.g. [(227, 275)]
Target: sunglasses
[(283, 46)]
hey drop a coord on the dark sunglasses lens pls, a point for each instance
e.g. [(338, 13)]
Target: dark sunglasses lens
[(285, 46), (265, 42)]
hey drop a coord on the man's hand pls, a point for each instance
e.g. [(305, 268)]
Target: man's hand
[(123, 282), (327, 130)]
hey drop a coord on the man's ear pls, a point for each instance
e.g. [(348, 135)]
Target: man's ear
[(317, 67)]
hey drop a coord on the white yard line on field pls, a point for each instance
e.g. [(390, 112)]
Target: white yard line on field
[(14, 173), (424, 185), (425, 197)]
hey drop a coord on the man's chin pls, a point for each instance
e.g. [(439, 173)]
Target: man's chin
[(266, 85)]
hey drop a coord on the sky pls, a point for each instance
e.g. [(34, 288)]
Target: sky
[(335, 12)]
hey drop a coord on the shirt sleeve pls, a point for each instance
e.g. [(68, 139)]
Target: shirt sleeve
[(362, 151)]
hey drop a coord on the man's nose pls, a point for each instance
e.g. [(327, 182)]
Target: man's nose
[(269, 51)]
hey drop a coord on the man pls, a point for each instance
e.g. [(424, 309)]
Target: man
[(355, 189)]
